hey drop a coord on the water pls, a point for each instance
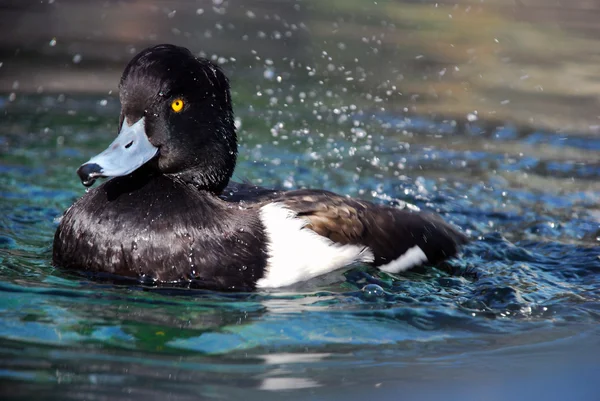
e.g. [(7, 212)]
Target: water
[(515, 316)]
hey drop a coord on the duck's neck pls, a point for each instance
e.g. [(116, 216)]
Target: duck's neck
[(205, 179), (209, 159)]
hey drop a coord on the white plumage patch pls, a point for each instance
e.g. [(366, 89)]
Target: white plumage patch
[(412, 257), (299, 254)]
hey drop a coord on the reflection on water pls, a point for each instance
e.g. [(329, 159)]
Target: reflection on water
[(486, 112)]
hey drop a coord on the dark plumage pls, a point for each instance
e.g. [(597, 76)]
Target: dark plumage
[(169, 215), (350, 221)]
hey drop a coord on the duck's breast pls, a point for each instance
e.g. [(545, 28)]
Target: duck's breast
[(161, 229)]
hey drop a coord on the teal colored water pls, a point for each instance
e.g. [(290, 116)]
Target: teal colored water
[(519, 306)]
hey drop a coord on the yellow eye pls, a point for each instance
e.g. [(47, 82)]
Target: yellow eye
[(177, 105)]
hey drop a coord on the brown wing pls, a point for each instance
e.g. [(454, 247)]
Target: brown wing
[(326, 213), (388, 231), (335, 217)]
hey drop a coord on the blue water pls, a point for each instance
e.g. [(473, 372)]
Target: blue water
[(516, 315)]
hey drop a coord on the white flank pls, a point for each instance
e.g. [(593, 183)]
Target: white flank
[(412, 257), (299, 254)]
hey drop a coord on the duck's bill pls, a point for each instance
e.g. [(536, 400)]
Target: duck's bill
[(128, 152)]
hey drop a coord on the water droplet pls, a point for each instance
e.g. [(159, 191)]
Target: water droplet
[(373, 292), (52, 42), (359, 132), (269, 73)]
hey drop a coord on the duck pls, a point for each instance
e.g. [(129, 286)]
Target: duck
[(169, 212)]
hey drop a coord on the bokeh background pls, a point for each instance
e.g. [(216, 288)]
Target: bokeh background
[(531, 62)]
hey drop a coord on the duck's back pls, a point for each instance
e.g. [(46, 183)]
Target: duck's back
[(163, 229)]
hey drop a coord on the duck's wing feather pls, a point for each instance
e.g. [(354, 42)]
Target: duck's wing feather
[(399, 238)]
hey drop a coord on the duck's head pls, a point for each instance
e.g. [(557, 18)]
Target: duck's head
[(176, 118)]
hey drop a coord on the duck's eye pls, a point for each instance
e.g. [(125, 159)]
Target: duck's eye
[(177, 105)]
